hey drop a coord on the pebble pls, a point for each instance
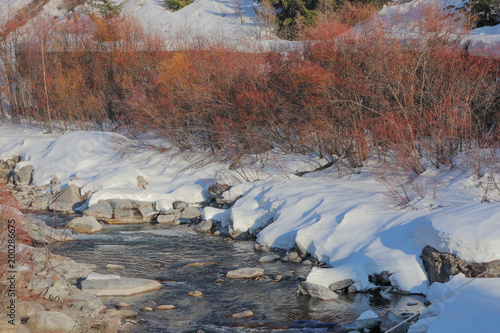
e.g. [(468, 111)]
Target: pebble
[(113, 266), (165, 307), (195, 293), (121, 305), (244, 314), (147, 309)]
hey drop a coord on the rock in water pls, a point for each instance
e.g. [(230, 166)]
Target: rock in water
[(101, 211), (66, 200), (339, 285), (195, 293), (164, 307), (244, 314), (269, 258), (119, 287), (316, 291), (245, 273), (85, 225), (24, 176)]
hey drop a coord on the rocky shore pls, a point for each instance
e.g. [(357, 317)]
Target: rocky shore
[(74, 288)]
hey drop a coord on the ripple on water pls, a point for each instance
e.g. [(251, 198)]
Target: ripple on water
[(162, 252)]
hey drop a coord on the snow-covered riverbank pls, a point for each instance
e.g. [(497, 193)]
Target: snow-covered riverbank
[(342, 217)]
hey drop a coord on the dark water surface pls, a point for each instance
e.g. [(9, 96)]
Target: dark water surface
[(163, 252)]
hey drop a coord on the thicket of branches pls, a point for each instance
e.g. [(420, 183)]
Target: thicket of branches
[(417, 94)]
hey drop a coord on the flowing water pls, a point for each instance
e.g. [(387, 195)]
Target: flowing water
[(165, 252)]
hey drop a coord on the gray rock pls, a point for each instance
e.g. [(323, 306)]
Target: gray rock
[(17, 158), (180, 205), (290, 256), (316, 291), (101, 211), (27, 309), (216, 192), (141, 182), (339, 285), (269, 258), (191, 214), (119, 287), (389, 320), (130, 211), (51, 321), (381, 279), (261, 248), (59, 291), (351, 289), (11, 164), (204, 226), (54, 181), (245, 273), (169, 218), (440, 266), (40, 232), (24, 176), (85, 302), (67, 200), (85, 225), (42, 202), (359, 325), (148, 210)]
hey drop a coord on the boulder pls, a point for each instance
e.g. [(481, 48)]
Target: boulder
[(245, 273), (42, 202), (180, 205), (340, 285), (290, 256), (316, 291), (85, 225), (262, 248), (24, 176), (169, 216), (440, 266), (41, 233), (204, 226), (190, 214), (119, 287), (101, 211), (130, 211), (381, 279), (67, 200), (84, 302), (216, 191), (269, 258), (51, 321), (389, 320)]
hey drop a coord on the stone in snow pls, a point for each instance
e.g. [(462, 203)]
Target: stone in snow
[(24, 176), (85, 225), (245, 273), (316, 291)]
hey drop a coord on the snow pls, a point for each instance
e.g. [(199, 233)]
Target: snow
[(473, 308)]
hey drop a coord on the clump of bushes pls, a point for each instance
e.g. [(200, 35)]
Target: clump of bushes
[(175, 5)]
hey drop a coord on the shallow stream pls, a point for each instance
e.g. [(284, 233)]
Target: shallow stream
[(164, 252)]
